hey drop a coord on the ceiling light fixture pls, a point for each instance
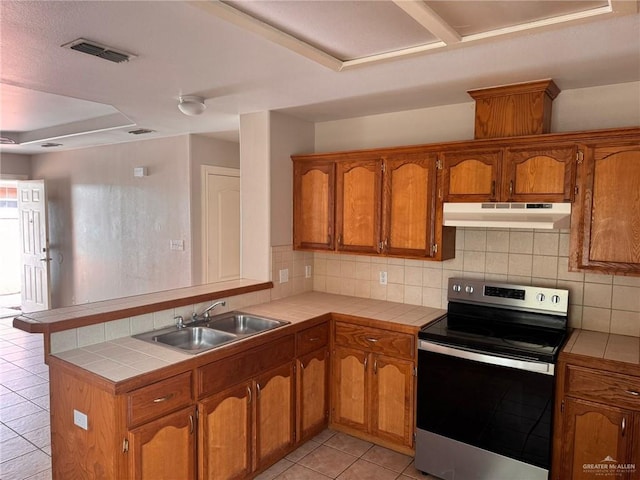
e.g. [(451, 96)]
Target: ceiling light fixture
[(191, 105)]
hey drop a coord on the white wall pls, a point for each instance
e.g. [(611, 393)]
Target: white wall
[(13, 164), (255, 207), (288, 136), (110, 232), (608, 106), (205, 151)]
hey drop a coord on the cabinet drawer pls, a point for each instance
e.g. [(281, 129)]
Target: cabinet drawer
[(612, 388), (375, 340), (159, 398), (312, 339)]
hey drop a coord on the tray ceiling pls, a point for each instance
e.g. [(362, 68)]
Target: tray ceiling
[(352, 33)]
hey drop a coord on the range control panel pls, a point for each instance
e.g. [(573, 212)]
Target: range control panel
[(524, 297)]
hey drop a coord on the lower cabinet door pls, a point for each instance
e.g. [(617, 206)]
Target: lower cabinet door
[(224, 433), (595, 435), (313, 393), (350, 395), (164, 449), (392, 399), (275, 413)]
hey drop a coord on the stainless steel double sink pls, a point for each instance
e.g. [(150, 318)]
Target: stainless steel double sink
[(208, 333)]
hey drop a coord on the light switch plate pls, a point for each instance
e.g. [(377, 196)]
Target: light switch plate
[(307, 271), (176, 244)]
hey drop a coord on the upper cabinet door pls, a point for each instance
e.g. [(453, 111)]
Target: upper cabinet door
[(409, 205), (471, 176), (313, 205), (539, 174), (607, 235), (358, 205)]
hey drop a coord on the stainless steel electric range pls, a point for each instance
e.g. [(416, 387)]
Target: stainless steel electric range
[(486, 382)]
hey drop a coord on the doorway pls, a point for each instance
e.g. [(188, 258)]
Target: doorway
[(221, 223), (9, 249)]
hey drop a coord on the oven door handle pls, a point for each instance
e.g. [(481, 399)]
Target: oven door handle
[(531, 366)]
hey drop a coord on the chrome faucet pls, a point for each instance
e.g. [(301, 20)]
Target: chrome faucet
[(206, 311)]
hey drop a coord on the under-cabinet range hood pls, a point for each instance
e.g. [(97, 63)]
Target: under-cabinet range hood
[(547, 216)]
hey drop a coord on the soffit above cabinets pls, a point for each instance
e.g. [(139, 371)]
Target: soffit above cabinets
[(345, 34)]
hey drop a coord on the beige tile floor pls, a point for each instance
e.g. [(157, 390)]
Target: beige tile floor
[(25, 443)]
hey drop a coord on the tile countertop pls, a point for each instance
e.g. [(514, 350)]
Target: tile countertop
[(604, 346), (120, 359)]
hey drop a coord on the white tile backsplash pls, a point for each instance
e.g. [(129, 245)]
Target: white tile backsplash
[(531, 257)]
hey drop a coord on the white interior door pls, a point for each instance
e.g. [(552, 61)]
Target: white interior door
[(221, 225), (34, 245)]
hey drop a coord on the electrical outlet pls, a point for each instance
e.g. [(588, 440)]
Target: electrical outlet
[(81, 420), (284, 275), (307, 271), (383, 278)]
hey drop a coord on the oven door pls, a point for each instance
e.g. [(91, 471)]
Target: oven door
[(481, 401)]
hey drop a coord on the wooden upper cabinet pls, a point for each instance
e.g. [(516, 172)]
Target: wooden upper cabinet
[(358, 205), (313, 205), (409, 198), (539, 174), (514, 174), (471, 176), (606, 223)]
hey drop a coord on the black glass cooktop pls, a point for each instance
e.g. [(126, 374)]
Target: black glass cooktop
[(499, 331)]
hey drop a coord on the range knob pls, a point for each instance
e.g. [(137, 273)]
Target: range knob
[(540, 297), (555, 299), (456, 287), (468, 289)]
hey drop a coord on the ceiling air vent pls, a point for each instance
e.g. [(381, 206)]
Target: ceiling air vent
[(141, 131), (97, 50), (50, 145)]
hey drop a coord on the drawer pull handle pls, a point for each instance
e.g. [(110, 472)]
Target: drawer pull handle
[(366, 360), (257, 390), (375, 367), (314, 339), (249, 394), (372, 339), (633, 392), (190, 424), (163, 399)]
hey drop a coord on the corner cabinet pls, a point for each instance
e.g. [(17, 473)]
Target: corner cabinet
[(386, 203), (605, 222), (597, 430), (373, 384), (527, 173)]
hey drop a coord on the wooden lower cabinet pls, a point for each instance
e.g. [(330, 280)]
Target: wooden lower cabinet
[(597, 422), (594, 435), (392, 402), (312, 393), (374, 394), (275, 414), (224, 433), (248, 426), (164, 448)]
